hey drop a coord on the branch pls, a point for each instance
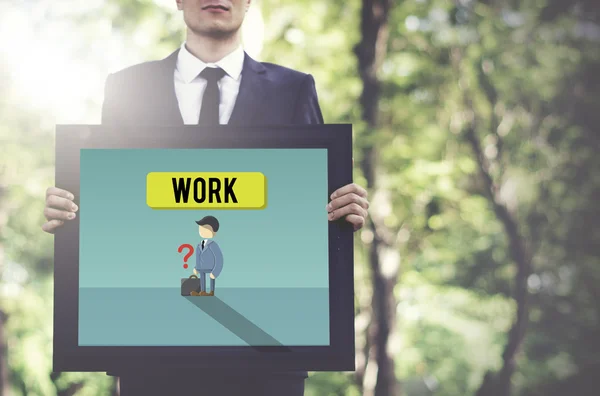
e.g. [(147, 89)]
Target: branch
[(71, 390), (492, 97)]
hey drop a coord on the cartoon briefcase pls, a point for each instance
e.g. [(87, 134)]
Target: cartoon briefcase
[(189, 285)]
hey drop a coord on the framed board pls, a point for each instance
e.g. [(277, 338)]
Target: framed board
[(282, 295)]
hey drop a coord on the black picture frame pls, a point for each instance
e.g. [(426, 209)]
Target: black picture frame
[(338, 356)]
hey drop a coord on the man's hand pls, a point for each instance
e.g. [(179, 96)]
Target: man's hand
[(349, 201), (195, 272), (59, 207), (212, 276)]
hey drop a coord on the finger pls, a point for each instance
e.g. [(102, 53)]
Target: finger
[(61, 203), (349, 188), (52, 214), (357, 221), (347, 200), (59, 192), (347, 210), (52, 225)]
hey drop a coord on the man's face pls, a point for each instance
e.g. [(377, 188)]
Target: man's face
[(213, 18), (206, 231)]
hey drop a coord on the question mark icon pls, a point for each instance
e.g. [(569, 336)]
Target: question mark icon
[(187, 256)]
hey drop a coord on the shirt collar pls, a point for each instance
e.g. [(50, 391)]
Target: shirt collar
[(189, 66)]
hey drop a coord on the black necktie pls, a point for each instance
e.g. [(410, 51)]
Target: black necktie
[(209, 112), (203, 244)]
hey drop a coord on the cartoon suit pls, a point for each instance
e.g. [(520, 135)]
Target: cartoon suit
[(208, 261)]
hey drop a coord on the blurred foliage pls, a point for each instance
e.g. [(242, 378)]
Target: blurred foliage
[(531, 71)]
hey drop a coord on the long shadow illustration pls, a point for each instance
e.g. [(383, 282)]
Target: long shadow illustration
[(237, 323)]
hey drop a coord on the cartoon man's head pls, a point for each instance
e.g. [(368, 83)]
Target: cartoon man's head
[(208, 226)]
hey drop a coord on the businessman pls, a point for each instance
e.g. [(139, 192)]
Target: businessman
[(211, 80), (209, 258)]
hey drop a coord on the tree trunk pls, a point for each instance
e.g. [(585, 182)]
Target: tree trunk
[(378, 376), (3, 345), (116, 390), (3, 353), (500, 384)]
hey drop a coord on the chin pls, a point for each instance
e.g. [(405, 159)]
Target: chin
[(216, 30)]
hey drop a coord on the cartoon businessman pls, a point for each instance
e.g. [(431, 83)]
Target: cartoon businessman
[(209, 258)]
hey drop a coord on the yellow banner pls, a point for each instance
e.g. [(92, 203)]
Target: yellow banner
[(206, 190)]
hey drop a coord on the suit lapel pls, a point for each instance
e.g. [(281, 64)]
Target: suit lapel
[(166, 88), (251, 94)]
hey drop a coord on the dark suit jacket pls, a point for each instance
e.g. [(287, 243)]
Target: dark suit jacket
[(269, 94), (144, 94)]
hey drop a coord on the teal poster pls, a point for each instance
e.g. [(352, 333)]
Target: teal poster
[(264, 269)]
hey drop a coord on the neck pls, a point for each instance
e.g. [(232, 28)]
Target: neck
[(211, 49)]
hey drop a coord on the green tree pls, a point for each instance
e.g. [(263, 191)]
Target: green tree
[(475, 128)]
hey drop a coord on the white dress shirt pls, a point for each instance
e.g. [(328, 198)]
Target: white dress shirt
[(189, 87)]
